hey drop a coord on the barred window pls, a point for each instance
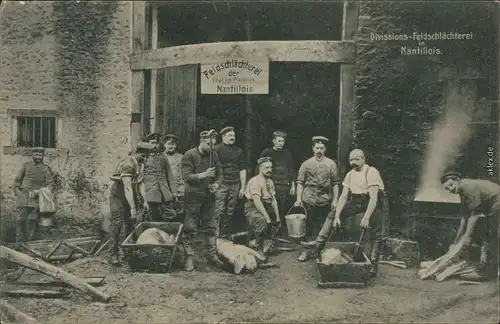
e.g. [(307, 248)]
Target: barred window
[(36, 132)]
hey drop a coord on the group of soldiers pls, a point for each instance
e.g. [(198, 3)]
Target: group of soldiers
[(202, 187)]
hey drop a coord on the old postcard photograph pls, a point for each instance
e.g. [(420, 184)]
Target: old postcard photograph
[(266, 161)]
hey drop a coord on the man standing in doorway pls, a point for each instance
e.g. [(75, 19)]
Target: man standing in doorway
[(174, 159), (126, 187), (283, 171), (480, 197), (235, 177), (362, 192), (202, 173), (261, 207), (159, 182), (317, 185), (32, 177)]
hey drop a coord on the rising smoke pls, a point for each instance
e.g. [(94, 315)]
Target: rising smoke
[(445, 140)]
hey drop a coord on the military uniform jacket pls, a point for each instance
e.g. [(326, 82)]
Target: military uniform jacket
[(32, 176), (158, 179)]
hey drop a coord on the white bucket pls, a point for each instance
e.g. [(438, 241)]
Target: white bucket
[(296, 225), (46, 221)]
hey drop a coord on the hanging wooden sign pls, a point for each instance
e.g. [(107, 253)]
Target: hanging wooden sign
[(235, 77)]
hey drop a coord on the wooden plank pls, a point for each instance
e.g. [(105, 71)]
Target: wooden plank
[(179, 98), (347, 107), (446, 260), (139, 43), (93, 281), (278, 51), (35, 293), (15, 315), (451, 270), (52, 271), (76, 248)]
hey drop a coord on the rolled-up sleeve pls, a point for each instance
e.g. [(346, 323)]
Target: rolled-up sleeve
[(301, 176), (347, 180), (254, 188), (373, 178)]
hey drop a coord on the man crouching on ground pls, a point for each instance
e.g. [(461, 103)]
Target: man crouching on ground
[(361, 193), (202, 180), (127, 180), (480, 197), (261, 202)]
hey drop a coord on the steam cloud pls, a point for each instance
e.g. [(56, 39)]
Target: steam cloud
[(449, 133)]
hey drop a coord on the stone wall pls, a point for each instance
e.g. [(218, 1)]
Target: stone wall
[(71, 57), (407, 92)]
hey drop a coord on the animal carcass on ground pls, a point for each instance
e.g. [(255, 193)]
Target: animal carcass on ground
[(240, 256)]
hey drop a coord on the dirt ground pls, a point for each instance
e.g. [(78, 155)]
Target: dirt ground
[(287, 294)]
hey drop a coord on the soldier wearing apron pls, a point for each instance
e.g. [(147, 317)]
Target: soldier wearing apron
[(174, 159), (159, 182), (33, 176), (317, 185)]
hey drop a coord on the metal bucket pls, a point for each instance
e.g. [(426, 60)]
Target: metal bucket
[(296, 224), (46, 220)]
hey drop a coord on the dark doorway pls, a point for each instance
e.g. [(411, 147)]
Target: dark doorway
[(303, 101)]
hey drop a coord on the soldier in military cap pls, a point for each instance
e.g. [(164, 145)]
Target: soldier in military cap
[(481, 198), (127, 184), (202, 173), (261, 207), (283, 171), (235, 177), (33, 176), (174, 159), (159, 182), (317, 185)]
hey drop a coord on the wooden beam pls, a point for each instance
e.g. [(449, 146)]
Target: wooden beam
[(52, 271), (279, 51), (154, 73), (15, 315), (139, 43), (347, 84)]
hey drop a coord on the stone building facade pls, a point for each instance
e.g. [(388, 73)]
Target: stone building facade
[(64, 66)]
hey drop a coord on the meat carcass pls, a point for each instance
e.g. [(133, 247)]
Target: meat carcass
[(241, 257), (334, 256), (155, 236)]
